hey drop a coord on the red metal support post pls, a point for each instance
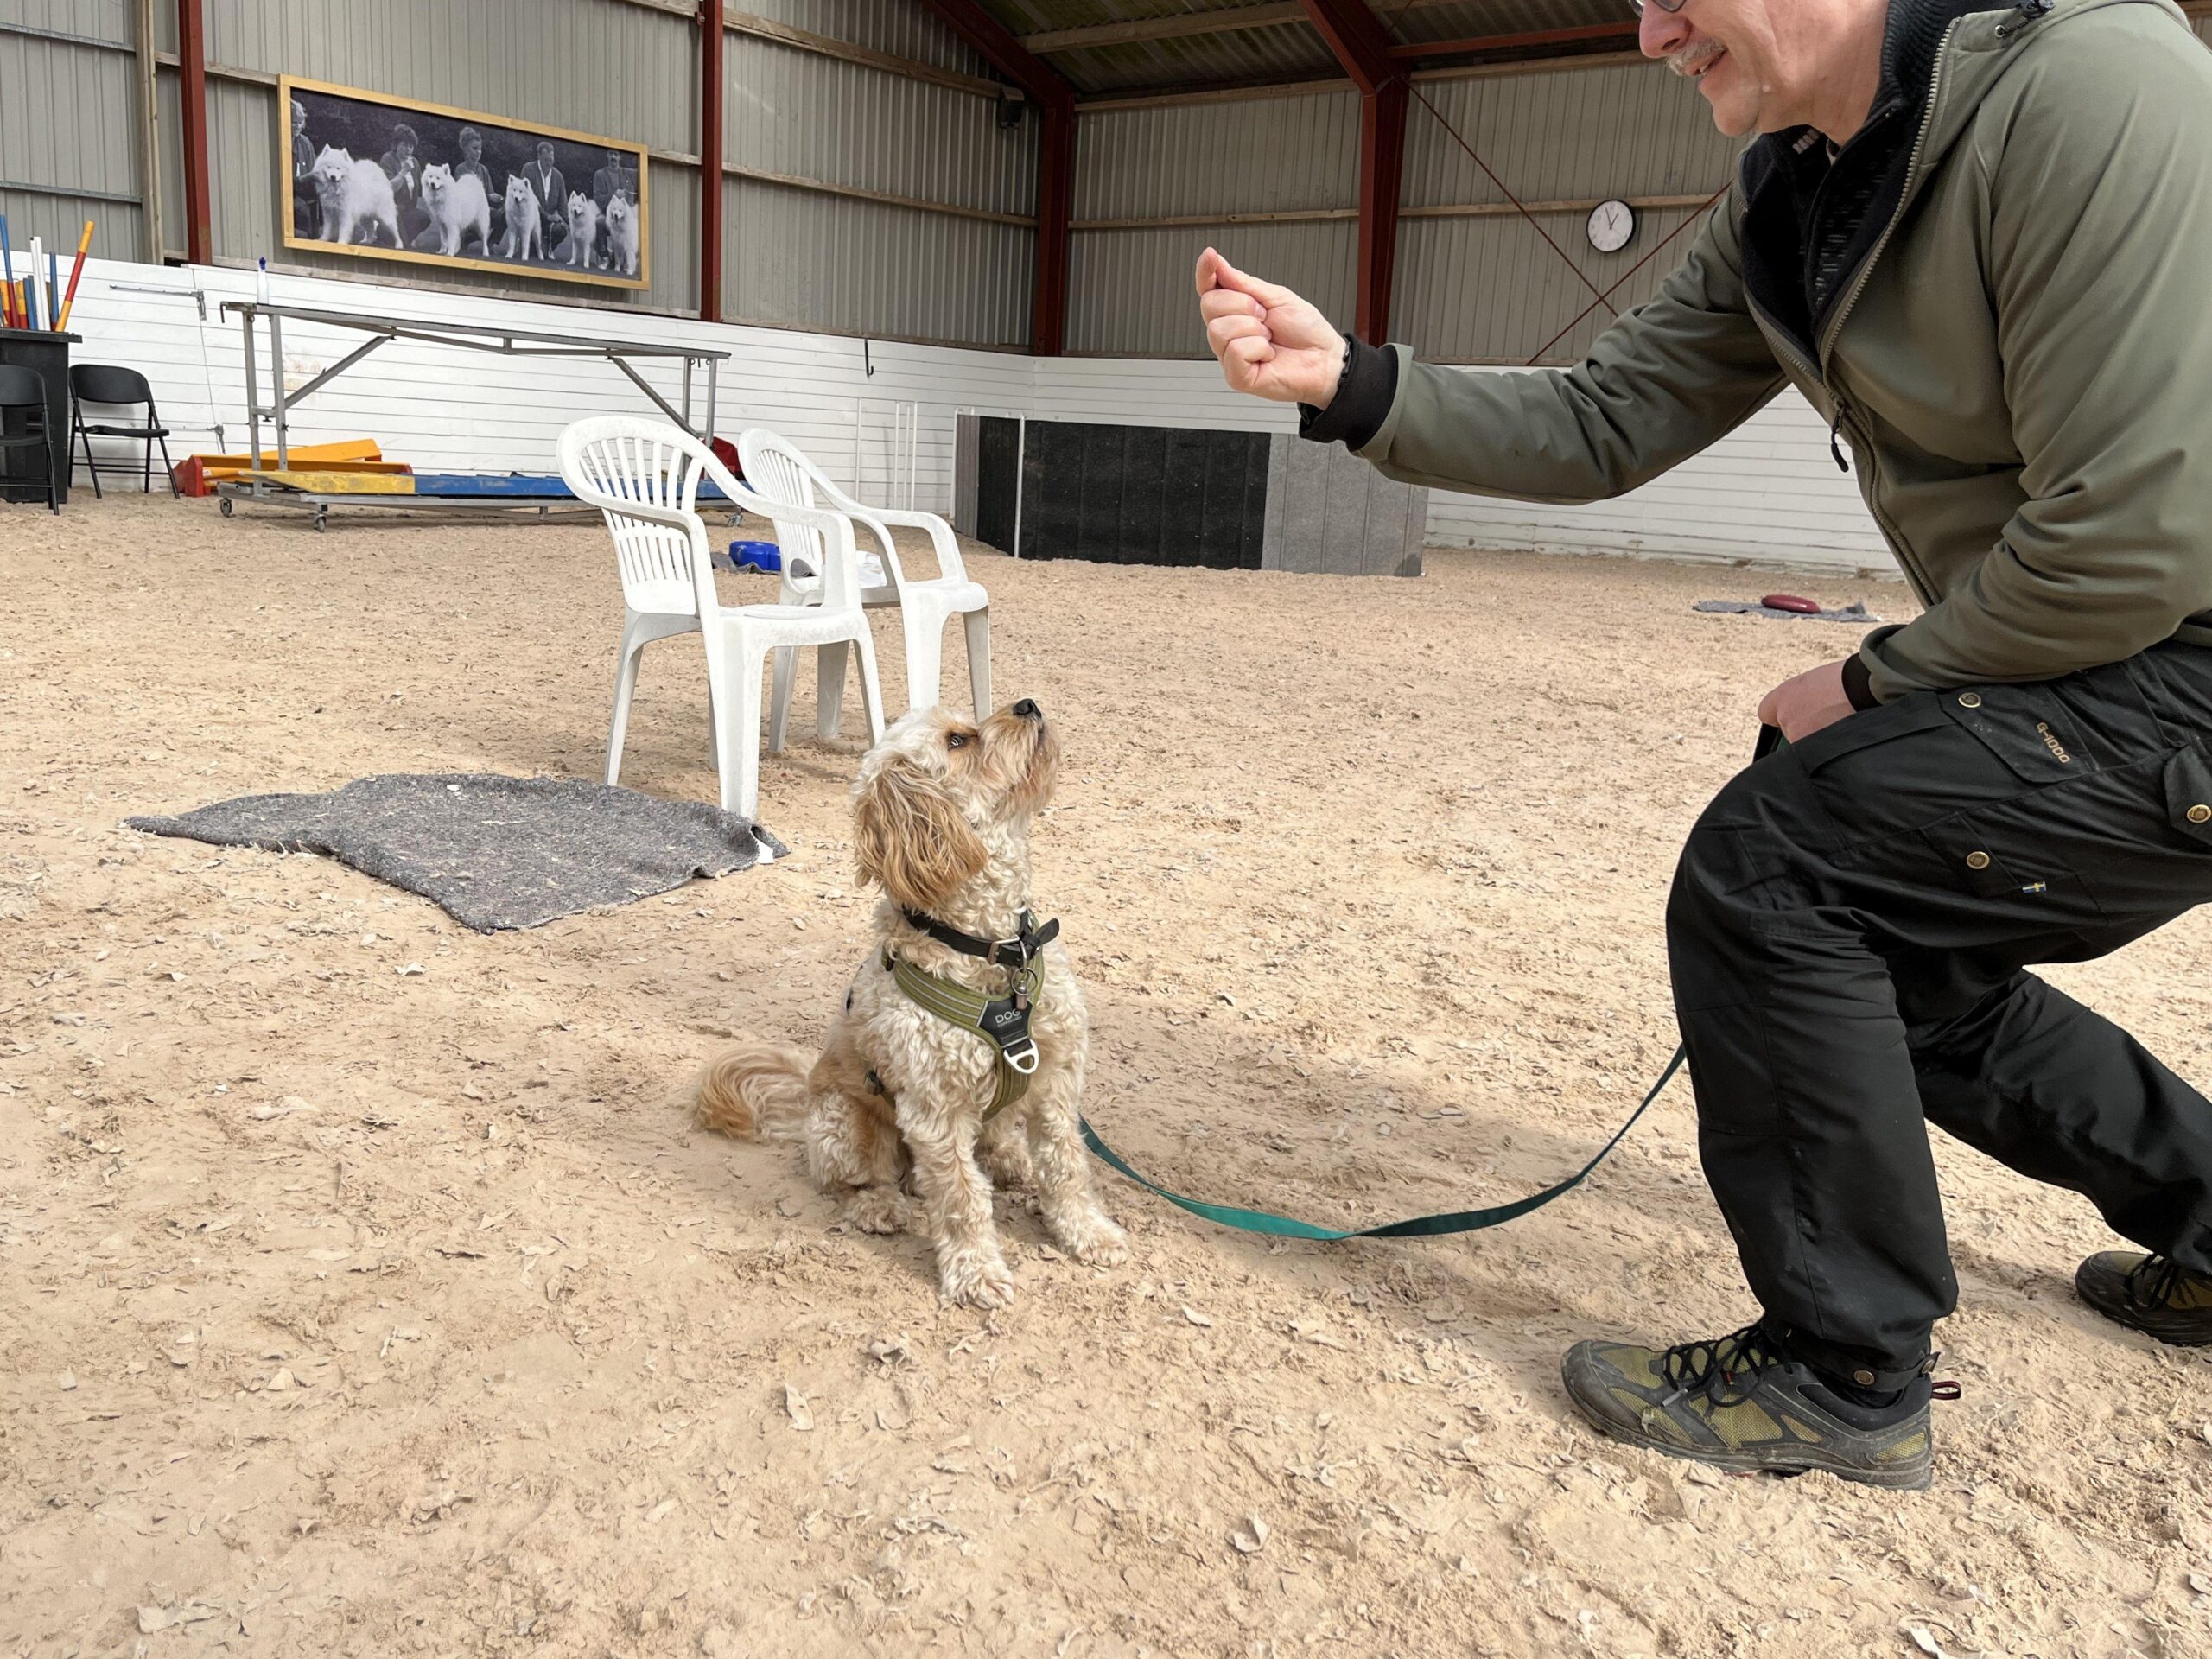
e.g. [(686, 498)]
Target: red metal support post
[(1048, 327), (192, 65), (1382, 164), (1055, 98), (710, 161), (1365, 50)]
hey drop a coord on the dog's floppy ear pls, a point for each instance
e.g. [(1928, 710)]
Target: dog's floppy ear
[(911, 837)]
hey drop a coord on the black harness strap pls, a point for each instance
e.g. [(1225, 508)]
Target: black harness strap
[(1016, 952)]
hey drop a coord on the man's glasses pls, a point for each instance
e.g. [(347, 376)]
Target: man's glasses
[(1636, 6)]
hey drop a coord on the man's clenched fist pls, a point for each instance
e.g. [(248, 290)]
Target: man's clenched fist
[(1270, 342)]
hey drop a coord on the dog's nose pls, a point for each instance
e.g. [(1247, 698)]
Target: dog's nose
[(1027, 709)]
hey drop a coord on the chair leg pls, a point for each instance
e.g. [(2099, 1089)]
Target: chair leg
[(924, 630), (146, 481), (978, 624), (626, 683), (739, 721), (871, 688), (780, 697), (168, 470), (829, 687), (53, 477), (92, 466)]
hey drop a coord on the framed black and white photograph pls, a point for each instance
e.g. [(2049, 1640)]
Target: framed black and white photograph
[(384, 178)]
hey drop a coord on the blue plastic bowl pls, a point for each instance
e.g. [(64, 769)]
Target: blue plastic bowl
[(764, 557)]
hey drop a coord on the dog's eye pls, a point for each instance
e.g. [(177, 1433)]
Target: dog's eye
[(956, 739)]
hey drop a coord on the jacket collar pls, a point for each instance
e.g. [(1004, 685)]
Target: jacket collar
[(1939, 58)]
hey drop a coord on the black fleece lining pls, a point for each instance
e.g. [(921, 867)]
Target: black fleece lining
[(1810, 223)]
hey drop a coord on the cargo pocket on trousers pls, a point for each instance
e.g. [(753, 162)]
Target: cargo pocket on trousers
[(1848, 736), (1963, 847), (2026, 728), (2189, 794)]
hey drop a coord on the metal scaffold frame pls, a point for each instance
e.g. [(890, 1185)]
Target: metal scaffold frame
[(475, 337)]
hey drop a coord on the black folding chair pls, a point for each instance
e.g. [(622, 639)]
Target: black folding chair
[(101, 383), (24, 390)]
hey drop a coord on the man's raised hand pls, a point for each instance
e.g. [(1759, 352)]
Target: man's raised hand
[(1270, 342)]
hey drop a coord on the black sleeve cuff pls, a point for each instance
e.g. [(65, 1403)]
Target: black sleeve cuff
[(1364, 398), (1859, 684)]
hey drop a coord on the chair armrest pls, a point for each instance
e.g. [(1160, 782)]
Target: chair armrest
[(943, 541)]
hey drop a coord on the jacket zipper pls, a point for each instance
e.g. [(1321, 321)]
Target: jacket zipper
[(1904, 549), (1912, 166)]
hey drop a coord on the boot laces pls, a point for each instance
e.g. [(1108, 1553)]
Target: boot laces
[(2151, 1282), (1725, 1370)]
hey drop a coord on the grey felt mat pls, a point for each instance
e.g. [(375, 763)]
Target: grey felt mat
[(1854, 612), (494, 852)]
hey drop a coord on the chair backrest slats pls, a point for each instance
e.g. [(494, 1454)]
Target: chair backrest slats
[(614, 461)]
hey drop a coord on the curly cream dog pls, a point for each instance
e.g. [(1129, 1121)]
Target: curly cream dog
[(942, 811)]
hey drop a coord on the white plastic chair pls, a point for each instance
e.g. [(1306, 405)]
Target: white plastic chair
[(778, 469), (644, 477)]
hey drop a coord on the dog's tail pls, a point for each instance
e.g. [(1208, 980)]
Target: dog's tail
[(752, 1089)]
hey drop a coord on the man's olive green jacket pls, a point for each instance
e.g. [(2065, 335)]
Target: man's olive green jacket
[(2022, 366)]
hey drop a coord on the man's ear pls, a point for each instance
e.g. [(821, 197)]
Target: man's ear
[(911, 838)]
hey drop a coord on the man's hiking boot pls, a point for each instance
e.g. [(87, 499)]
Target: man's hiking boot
[(2151, 1294), (1738, 1402)]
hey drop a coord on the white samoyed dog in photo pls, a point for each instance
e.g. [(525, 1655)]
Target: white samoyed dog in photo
[(583, 230), (622, 235), (525, 228), (456, 207), (355, 196)]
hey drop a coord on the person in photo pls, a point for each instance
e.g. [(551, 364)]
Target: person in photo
[(307, 207), (547, 183)]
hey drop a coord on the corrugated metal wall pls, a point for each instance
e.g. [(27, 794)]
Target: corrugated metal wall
[(798, 256), (69, 142), (794, 256), (591, 65), (1488, 290), (1129, 290)]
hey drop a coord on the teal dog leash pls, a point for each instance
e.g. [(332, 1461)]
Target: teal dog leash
[(1451, 1221)]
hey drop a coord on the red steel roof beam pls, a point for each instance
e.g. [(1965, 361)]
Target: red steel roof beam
[(711, 41), (1625, 32), (1368, 54), (1056, 160)]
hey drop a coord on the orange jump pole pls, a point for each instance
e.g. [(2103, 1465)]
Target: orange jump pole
[(76, 271)]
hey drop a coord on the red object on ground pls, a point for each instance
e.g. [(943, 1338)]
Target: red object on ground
[(726, 453), (1789, 602)]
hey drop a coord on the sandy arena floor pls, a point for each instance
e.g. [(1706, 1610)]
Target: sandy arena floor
[(348, 1308)]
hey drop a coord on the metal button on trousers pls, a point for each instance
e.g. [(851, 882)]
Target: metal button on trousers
[(1849, 935)]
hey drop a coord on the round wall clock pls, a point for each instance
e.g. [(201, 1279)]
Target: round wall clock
[(1612, 225)]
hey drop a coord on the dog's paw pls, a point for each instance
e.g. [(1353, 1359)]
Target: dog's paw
[(878, 1210), (1092, 1240), (982, 1282)]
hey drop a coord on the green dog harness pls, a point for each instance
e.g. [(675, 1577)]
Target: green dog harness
[(1002, 1021)]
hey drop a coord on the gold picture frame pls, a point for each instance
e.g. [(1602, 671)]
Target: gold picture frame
[(317, 113)]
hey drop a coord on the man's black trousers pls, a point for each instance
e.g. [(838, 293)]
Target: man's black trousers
[(1849, 933)]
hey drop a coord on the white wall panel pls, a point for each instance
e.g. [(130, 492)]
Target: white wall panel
[(1767, 492)]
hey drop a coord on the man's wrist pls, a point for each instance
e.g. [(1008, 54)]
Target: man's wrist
[(1344, 372), (1366, 387)]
